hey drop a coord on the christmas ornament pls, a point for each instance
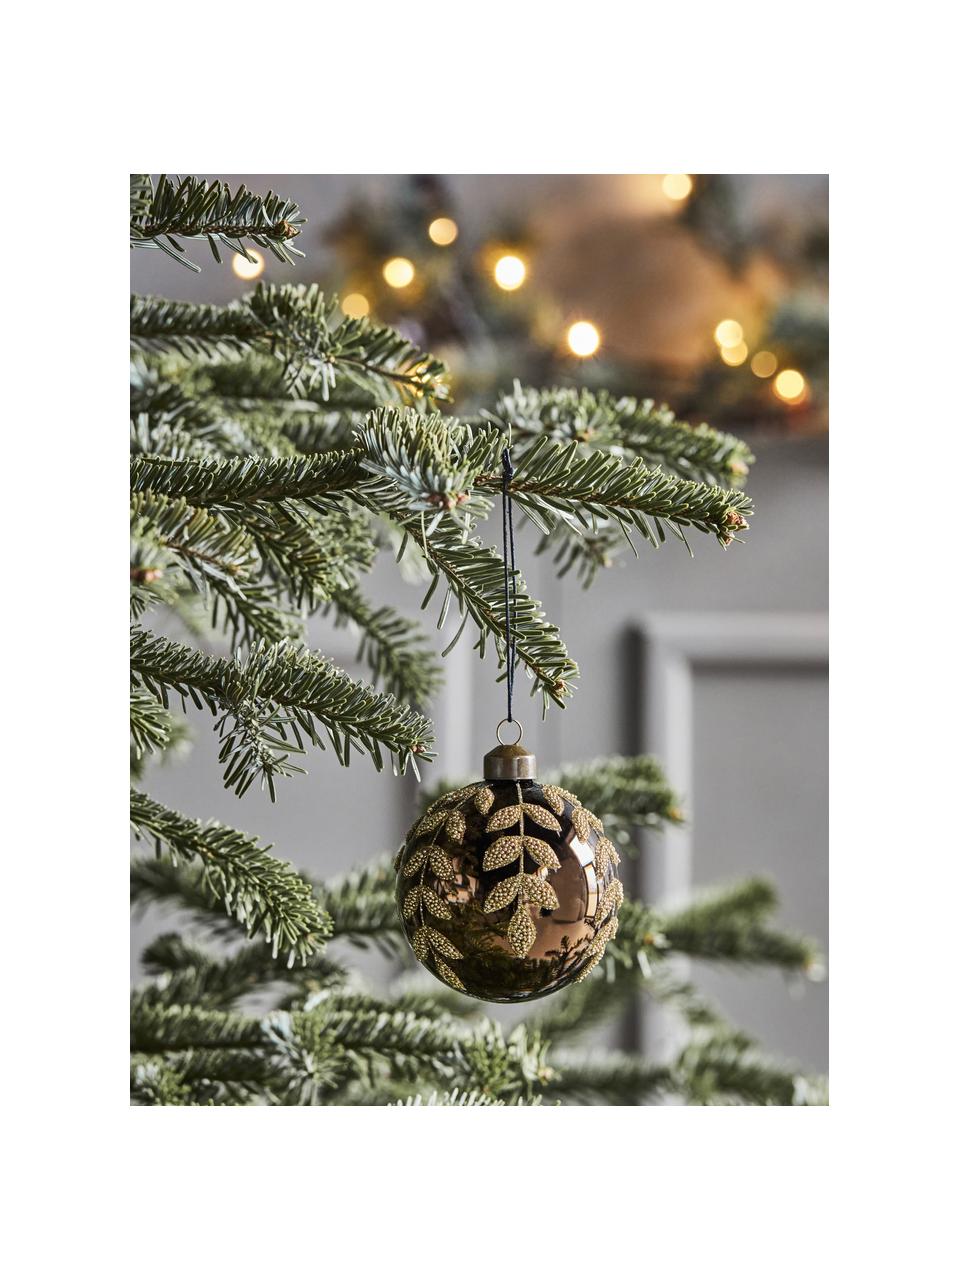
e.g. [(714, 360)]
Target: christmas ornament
[(507, 888)]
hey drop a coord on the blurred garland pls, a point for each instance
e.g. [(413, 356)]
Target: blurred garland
[(490, 335)]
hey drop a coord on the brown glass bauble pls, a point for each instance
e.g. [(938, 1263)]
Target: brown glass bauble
[(507, 888)]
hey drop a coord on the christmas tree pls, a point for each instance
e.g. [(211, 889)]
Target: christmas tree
[(279, 445)]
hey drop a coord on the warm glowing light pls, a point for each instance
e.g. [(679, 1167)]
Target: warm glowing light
[(734, 355), (398, 272), (764, 364), (677, 186), (510, 272), (246, 269), (728, 333), (443, 231), (583, 338), (790, 385), (355, 305)]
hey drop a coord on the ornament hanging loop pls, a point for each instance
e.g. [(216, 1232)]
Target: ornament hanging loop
[(509, 579), (519, 728)]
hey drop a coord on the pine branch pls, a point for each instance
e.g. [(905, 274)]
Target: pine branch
[(474, 578), (167, 420), (430, 461), (728, 926), (304, 330), (610, 1079), (585, 551), (260, 892), (187, 974), (192, 209), (462, 1098), (363, 907), (156, 1083), (197, 1078), (181, 888), (396, 650), (150, 723), (637, 428), (553, 479), (727, 1069), (271, 700), (178, 544), (230, 482), (156, 1027)]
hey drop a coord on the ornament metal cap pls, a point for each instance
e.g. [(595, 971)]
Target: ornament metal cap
[(510, 762)]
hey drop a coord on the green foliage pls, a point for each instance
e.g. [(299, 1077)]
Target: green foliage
[(192, 209), (261, 893), (626, 426), (474, 581), (726, 1069), (395, 649), (559, 481), (730, 926), (318, 347), (187, 974), (273, 701), (611, 1079), (277, 446)]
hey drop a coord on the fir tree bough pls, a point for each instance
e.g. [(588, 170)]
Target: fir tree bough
[(277, 448)]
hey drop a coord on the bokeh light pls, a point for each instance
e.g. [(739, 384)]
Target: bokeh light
[(443, 231), (734, 355), (728, 333), (510, 272), (355, 305), (583, 338), (764, 364), (790, 385), (399, 272), (245, 269), (677, 186)]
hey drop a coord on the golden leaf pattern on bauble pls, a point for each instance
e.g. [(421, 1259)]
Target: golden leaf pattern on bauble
[(541, 892), (554, 799), (442, 944), (421, 943), (502, 894), (456, 827), (447, 974), (594, 821), (542, 817), (581, 823), (436, 906), (541, 853), (589, 966), (503, 851), (416, 860), (440, 864), (612, 897), (508, 816), (604, 934), (521, 932), (484, 799), (603, 856), (410, 902), (451, 798), (430, 821)]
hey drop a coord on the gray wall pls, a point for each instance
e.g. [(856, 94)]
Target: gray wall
[(749, 733)]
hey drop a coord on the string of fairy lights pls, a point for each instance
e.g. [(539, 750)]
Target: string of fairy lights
[(510, 271)]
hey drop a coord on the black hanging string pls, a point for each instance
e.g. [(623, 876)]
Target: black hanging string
[(509, 577)]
